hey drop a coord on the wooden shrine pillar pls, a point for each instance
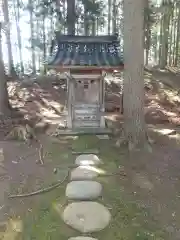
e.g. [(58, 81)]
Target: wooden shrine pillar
[(70, 96), (102, 99)]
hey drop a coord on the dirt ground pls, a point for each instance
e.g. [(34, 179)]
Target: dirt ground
[(153, 180)]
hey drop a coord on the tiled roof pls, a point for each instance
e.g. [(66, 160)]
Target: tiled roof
[(83, 51)]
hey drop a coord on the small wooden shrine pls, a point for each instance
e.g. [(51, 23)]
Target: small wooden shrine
[(85, 60)]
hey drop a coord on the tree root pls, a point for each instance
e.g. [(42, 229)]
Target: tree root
[(41, 154), (22, 133), (123, 141), (25, 133)]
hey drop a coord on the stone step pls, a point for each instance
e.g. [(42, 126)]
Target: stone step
[(86, 217), (86, 123), (82, 238), (85, 151), (83, 190), (83, 173), (87, 159)]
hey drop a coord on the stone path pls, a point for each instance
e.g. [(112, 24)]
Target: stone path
[(85, 214), (83, 190)]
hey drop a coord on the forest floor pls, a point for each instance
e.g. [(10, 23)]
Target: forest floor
[(144, 200)]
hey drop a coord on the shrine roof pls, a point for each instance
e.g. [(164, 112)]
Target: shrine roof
[(70, 51)]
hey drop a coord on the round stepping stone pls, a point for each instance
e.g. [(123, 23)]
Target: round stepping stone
[(83, 190), (87, 159), (83, 173), (82, 238), (86, 217)]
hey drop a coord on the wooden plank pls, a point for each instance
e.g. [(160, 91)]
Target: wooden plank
[(86, 76)]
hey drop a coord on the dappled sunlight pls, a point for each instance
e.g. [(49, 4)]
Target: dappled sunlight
[(172, 69), (162, 105), (13, 229), (49, 113), (164, 131), (53, 103), (71, 137), (162, 70), (45, 99), (2, 157), (87, 162), (168, 132), (175, 137), (59, 206), (93, 169)]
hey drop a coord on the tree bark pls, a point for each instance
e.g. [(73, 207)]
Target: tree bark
[(115, 16), (71, 16), (147, 30), (165, 34), (8, 38), (32, 36), (177, 38), (109, 16), (133, 102), (171, 29), (86, 21), (44, 41), (17, 17), (4, 99)]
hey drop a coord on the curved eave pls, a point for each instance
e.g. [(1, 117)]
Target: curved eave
[(88, 68)]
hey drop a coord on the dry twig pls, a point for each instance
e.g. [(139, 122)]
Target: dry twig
[(44, 190), (41, 154)]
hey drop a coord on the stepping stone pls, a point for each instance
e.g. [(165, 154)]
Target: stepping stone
[(83, 190), (103, 137), (88, 151), (82, 238), (83, 173), (86, 217), (88, 159)]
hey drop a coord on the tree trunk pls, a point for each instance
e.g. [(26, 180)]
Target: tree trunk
[(86, 21), (4, 99), (177, 38), (32, 36), (71, 17), (8, 38), (171, 29), (38, 33), (165, 35), (17, 17), (94, 27), (133, 103), (109, 16), (147, 29), (115, 16), (155, 47), (44, 42), (160, 39), (174, 36)]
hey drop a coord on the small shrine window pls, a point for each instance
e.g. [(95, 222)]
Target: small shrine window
[(86, 85)]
